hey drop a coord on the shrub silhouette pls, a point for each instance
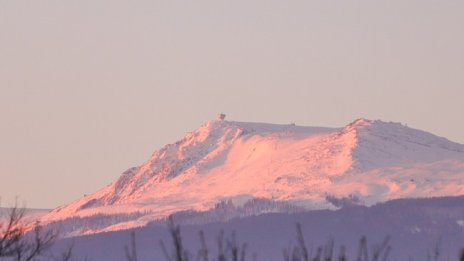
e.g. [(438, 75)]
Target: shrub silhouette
[(19, 242), (22, 242), (228, 249)]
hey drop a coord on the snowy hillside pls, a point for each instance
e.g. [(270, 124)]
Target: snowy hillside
[(365, 161)]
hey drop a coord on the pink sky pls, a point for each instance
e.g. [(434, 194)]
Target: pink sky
[(90, 88)]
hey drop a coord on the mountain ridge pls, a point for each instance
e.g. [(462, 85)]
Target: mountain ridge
[(371, 160)]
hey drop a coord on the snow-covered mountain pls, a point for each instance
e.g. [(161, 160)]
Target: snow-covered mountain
[(317, 168)]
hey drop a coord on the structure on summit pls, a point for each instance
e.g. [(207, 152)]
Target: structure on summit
[(221, 116)]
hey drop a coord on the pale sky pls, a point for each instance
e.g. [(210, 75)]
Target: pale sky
[(89, 88)]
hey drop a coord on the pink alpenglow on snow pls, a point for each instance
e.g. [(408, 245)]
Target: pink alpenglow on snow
[(373, 161)]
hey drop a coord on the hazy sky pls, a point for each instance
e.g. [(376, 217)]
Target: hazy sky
[(89, 88)]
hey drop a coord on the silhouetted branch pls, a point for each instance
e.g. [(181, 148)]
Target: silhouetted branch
[(362, 250), (131, 252), (203, 254), (301, 242), (12, 232), (20, 243), (342, 254), (179, 253), (220, 244), (382, 248)]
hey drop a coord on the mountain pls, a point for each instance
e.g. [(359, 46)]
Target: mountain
[(365, 162)]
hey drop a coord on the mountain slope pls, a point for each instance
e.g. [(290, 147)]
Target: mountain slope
[(369, 161)]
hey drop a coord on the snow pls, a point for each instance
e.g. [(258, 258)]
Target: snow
[(374, 161)]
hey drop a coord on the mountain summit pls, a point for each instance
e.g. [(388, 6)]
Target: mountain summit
[(370, 161)]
